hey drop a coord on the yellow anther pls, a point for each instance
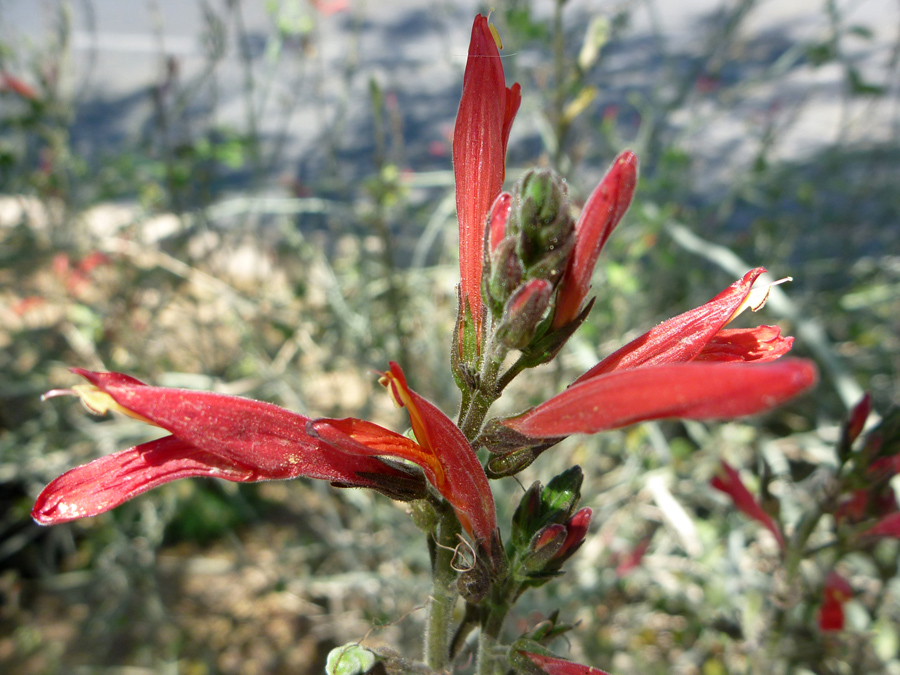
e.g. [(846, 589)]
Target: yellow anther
[(99, 402), (496, 36)]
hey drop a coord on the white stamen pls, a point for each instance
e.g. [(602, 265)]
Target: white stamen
[(757, 297)]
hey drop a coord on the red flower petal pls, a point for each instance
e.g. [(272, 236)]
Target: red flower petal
[(486, 112), (729, 482), (109, 481), (260, 437), (889, 526), (602, 212), (686, 390), (831, 615), (449, 462), (269, 440), (835, 592), (554, 666), (683, 337), (9, 82), (763, 343)]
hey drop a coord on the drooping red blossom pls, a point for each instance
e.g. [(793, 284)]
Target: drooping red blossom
[(212, 435), (602, 212), (729, 481), (440, 448), (836, 591), (486, 112), (554, 666)]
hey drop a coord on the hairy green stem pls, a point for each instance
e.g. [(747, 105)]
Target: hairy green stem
[(443, 592), (502, 598)]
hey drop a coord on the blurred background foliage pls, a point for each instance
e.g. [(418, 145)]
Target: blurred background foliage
[(271, 213)]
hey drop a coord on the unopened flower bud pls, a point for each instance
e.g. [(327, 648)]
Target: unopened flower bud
[(527, 516), (544, 507), (544, 547), (523, 312), (503, 275), (853, 427), (543, 224), (576, 530), (497, 219), (563, 492)]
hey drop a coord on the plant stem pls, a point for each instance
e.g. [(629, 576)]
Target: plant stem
[(478, 400), (488, 639), (443, 593)]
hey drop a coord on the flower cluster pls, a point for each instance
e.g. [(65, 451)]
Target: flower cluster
[(525, 274)]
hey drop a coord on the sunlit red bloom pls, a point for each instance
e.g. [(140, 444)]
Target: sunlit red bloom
[(486, 112), (243, 440), (9, 82), (440, 448), (836, 592), (602, 212), (729, 481), (698, 335), (554, 666), (687, 367), (212, 435), (329, 7)]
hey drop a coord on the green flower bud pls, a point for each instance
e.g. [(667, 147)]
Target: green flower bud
[(523, 312), (543, 225), (503, 274), (544, 547), (527, 517), (563, 493)]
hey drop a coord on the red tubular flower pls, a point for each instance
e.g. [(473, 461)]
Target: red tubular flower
[(211, 435), (486, 112), (554, 666), (697, 391), (698, 335), (857, 421), (440, 448), (9, 82), (602, 212), (836, 592), (729, 482), (632, 559), (652, 377)]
